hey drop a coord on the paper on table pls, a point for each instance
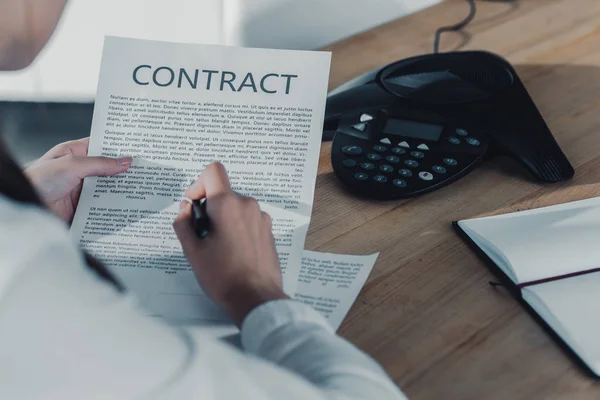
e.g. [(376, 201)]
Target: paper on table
[(176, 108), (331, 282), (328, 282)]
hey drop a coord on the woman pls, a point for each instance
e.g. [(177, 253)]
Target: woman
[(69, 330)]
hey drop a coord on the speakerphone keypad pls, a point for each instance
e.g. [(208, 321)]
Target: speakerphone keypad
[(405, 164)]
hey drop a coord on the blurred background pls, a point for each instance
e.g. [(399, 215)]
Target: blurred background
[(52, 100)]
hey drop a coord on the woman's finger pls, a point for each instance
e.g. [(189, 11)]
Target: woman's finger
[(212, 182), (183, 225), (74, 147), (83, 167)]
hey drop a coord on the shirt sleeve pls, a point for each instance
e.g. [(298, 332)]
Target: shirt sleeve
[(296, 337)]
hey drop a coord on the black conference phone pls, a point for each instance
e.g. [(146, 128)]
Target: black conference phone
[(421, 123)]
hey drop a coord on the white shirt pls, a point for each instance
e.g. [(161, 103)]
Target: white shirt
[(66, 334)]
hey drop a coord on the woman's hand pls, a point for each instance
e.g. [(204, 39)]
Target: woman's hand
[(58, 174), (236, 264)]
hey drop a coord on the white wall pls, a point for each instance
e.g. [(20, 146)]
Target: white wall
[(308, 24), (67, 69)]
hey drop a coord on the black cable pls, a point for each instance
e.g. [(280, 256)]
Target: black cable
[(455, 27), (462, 24)]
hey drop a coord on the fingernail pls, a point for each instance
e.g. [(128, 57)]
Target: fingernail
[(183, 204), (125, 160)]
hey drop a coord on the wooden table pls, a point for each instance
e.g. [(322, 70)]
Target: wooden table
[(427, 313)]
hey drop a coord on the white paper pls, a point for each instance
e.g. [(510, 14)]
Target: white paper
[(331, 282), (541, 243), (328, 282), (260, 114), (126, 220), (572, 309)]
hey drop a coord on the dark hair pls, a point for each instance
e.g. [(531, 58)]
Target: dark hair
[(14, 184)]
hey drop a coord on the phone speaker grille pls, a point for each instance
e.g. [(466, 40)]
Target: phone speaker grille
[(447, 80)]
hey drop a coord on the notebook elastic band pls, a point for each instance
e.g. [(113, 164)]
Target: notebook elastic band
[(557, 278)]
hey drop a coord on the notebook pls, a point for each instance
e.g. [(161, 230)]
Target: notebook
[(550, 259)]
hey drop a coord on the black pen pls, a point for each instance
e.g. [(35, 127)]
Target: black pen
[(200, 218)]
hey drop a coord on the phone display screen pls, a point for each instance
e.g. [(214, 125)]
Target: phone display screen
[(411, 129)]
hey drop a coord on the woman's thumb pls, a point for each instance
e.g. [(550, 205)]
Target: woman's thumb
[(97, 166)]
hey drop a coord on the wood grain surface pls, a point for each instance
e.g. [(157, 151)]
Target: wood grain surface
[(427, 312)]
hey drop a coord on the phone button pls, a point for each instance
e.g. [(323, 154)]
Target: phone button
[(367, 166), (393, 159), (373, 157), (366, 118), (399, 183), (473, 142), (411, 163), (361, 176), (360, 127), (417, 154), (426, 176), (438, 169), (461, 132), (407, 173), (453, 140), (398, 150), (450, 161), (352, 150), (380, 179), (386, 168), (349, 163)]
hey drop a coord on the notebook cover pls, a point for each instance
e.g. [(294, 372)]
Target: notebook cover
[(512, 288)]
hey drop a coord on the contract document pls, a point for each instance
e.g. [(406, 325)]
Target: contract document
[(175, 108)]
